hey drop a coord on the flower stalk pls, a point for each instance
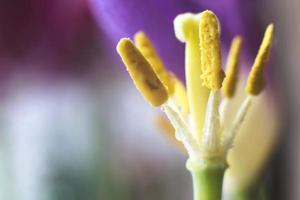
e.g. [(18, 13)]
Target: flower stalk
[(207, 179)]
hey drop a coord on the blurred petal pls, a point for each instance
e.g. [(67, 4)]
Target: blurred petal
[(47, 35), (254, 142)]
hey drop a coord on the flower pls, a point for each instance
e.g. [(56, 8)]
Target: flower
[(124, 18), (203, 128)]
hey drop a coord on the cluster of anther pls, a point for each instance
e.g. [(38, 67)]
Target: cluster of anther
[(197, 111)]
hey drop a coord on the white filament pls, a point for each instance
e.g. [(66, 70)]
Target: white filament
[(224, 107), (239, 118), (183, 133), (212, 129)]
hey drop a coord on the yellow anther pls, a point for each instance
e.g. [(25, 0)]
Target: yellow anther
[(232, 68), (180, 95), (209, 34), (144, 44), (256, 83), (142, 73)]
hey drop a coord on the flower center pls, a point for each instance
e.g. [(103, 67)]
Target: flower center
[(197, 112)]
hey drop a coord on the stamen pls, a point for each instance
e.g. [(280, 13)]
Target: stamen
[(142, 73), (232, 69), (183, 133), (256, 83), (187, 30), (144, 44), (211, 134), (240, 116), (210, 49), (224, 109)]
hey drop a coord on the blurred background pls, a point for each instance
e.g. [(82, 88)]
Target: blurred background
[(73, 126)]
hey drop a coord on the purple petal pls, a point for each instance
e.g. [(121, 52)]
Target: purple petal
[(124, 18)]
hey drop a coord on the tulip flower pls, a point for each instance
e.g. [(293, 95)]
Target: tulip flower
[(259, 127), (202, 131)]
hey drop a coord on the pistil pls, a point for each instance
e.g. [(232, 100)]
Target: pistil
[(187, 30)]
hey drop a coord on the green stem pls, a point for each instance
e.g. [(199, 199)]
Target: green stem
[(207, 179)]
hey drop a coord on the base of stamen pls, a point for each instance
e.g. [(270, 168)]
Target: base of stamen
[(211, 134), (224, 108), (183, 134), (239, 118)]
